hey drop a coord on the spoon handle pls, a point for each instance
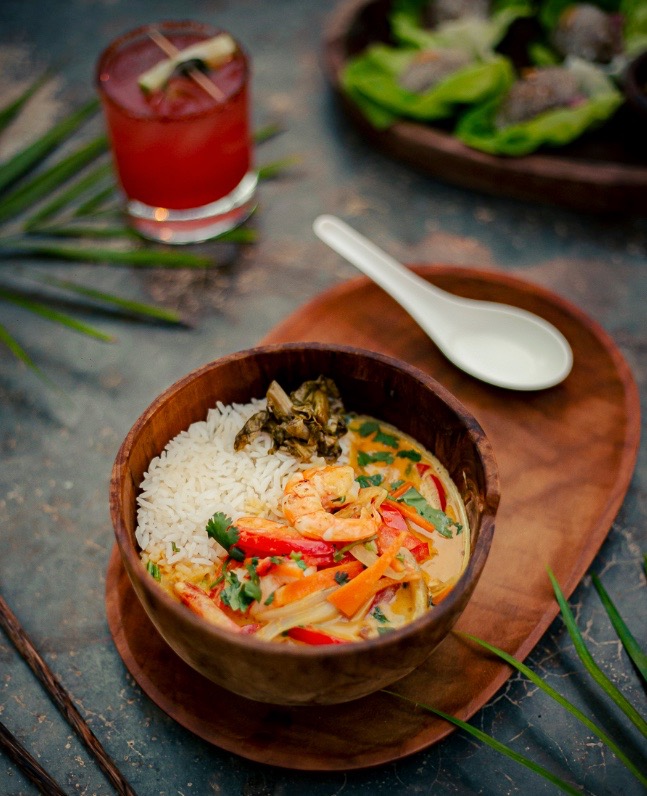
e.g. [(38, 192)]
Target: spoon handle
[(407, 288)]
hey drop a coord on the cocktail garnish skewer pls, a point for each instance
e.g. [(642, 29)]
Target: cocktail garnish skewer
[(169, 49)]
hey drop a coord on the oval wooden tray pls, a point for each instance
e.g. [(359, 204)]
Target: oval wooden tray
[(605, 171), (565, 456)]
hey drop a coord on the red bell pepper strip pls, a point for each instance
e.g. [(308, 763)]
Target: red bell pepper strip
[(256, 544), (422, 469), (309, 636), (393, 517), (393, 522)]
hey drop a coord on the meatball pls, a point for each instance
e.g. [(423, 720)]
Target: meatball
[(430, 67), (584, 30), (439, 11), (539, 90)]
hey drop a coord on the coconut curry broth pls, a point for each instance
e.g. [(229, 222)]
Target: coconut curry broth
[(363, 548)]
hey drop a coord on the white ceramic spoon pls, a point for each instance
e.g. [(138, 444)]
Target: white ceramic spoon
[(499, 344)]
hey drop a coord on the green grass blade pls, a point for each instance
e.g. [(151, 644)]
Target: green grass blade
[(55, 316), (498, 746), (93, 203), (277, 167), (65, 198), (26, 194), (135, 307), (630, 644), (23, 356), (138, 258), (238, 235), (25, 160), (268, 131), (12, 109), (591, 666), (521, 667), (16, 349), (82, 231)]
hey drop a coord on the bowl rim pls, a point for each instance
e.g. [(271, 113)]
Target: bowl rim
[(471, 573)]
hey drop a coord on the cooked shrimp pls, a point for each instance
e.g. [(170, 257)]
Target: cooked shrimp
[(309, 497), (262, 526), (202, 605)]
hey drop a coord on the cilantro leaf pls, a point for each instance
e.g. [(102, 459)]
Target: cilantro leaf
[(409, 454), (379, 615), (441, 522), (220, 528), (237, 594), (341, 578), (364, 458), (297, 557), (252, 587), (369, 480), (386, 439), (368, 427)]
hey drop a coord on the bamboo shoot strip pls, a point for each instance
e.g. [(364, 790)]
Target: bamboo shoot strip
[(61, 698), (28, 765)]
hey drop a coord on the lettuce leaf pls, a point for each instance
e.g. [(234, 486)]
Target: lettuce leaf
[(480, 34), (371, 81), (635, 25), (552, 128)]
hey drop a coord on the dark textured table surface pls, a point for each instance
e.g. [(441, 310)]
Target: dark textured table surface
[(57, 445)]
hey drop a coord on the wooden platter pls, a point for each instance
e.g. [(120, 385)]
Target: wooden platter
[(605, 171), (565, 455)]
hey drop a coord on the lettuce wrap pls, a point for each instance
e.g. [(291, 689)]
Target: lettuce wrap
[(552, 128), (631, 21), (372, 81), (482, 34)]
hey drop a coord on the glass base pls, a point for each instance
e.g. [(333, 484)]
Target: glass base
[(196, 224)]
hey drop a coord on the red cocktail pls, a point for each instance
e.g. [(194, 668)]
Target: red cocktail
[(175, 97)]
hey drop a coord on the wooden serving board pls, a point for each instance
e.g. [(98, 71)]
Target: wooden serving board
[(605, 171), (566, 456)]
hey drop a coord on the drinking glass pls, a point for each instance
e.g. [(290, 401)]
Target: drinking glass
[(181, 145)]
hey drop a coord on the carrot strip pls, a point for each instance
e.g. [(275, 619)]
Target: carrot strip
[(322, 579), (350, 597), (438, 598), (289, 569), (401, 490), (410, 513)]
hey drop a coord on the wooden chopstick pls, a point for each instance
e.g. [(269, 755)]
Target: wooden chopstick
[(28, 764), (61, 698)]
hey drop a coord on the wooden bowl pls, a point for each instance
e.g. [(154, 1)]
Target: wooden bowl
[(372, 384), (636, 85)]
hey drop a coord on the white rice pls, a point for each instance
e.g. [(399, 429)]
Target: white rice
[(198, 474)]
